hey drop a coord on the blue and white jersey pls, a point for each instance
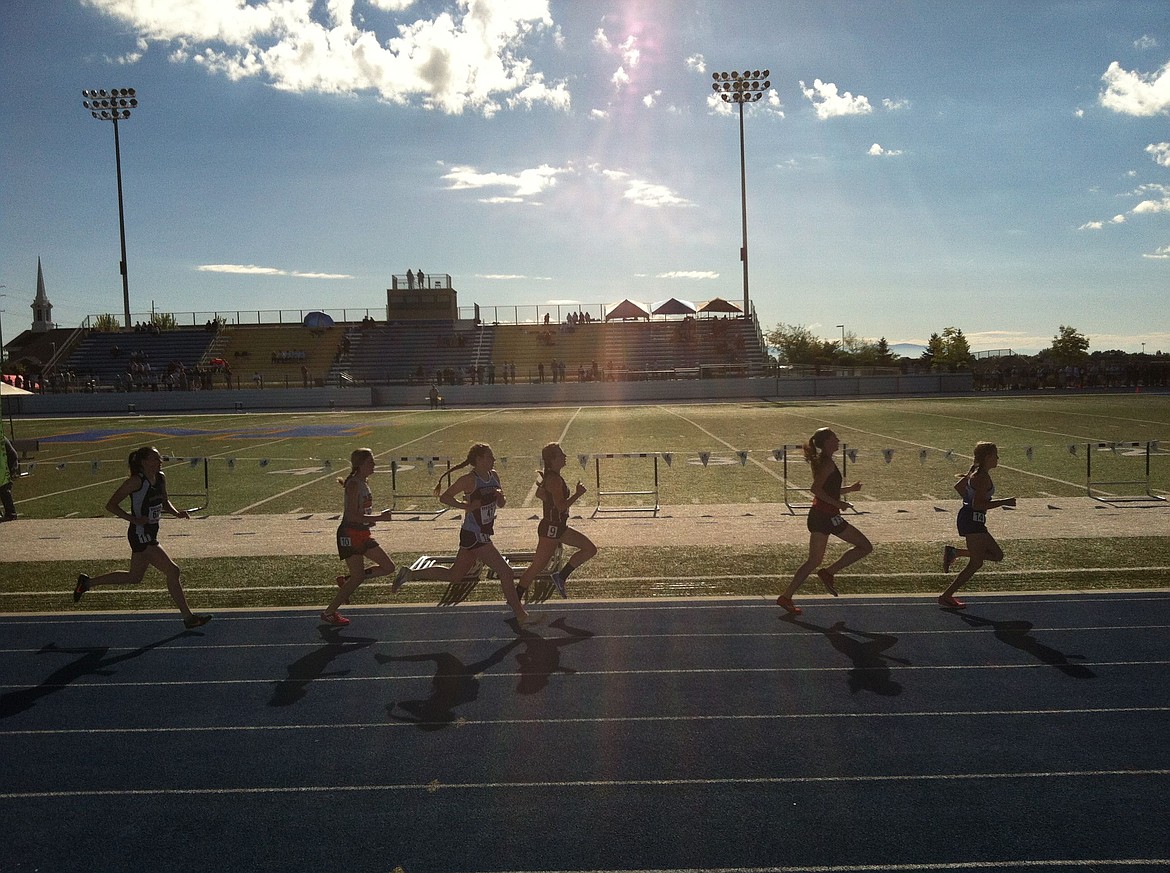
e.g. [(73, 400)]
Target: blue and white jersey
[(481, 521)]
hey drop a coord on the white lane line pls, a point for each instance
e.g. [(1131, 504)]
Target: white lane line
[(628, 719), (513, 675), (795, 634), (436, 785)]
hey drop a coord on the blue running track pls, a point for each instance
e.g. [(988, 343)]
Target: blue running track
[(877, 733)]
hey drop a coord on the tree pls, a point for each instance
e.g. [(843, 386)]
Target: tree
[(163, 320), (107, 322), (958, 350), (795, 343), (1069, 346), (936, 351)]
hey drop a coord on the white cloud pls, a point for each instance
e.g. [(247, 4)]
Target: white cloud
[(471, 59), (1160, 151), (1145, 42), (620, 78), (1140, 94), (697, 63), (650, 194), (829, 103), (601, 40), (650, 99), (1092, 225), (1117, 219), (1078, 113), (1160, 254), (688, 274), (253, 270), (598, 113), (878, 152), (1152, 206), (894, 105), (522, 186)]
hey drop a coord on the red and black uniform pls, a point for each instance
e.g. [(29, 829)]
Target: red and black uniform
[(826, 517), (355, 538)]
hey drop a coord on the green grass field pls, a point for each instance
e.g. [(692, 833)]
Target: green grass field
[(900, 449)]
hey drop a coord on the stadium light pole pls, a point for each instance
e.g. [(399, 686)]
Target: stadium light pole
[(115, 105), (740, 88), (842, 336)]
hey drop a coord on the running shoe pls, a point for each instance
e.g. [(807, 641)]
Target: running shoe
[(196, 621), (400, 578), (788, 606), (82, 587), (521, 592), (951, 603), (559, 581), (827, 578), (334, 618), (950, 553)]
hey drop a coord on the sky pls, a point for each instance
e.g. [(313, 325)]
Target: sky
[(999, 167)]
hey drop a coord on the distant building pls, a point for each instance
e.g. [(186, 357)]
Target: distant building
[(425, 296), (41, 307)]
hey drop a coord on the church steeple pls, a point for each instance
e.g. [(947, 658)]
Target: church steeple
[(41, 307)]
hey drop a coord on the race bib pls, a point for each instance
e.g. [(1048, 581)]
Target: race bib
[(979, 517)]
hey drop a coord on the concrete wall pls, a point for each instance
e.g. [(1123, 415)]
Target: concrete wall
[(677, 390), (681, 390)]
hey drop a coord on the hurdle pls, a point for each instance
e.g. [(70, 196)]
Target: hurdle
[(652, 492), (783, 452), (203, 497), (783, 455), (459, 590), (395, 496), (1144, 483)]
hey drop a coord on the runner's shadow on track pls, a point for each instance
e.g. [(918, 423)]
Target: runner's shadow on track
[(454, 684), (541, 657), (1018, 635), (313, 666), (93, 662), (871, 670)]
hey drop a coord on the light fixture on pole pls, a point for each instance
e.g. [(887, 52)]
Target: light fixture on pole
[(740, 88), (115, 105)]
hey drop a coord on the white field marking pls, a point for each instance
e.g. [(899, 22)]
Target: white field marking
[(871, 433), (332, 474), (436, 785), (531, 495), (929, 496), (588, 720), (777, 476), (773, 635), (515, 675)]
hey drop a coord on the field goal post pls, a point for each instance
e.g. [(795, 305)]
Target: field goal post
[(395, 496), (649, 492), (202, 498), (1144, 483)]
